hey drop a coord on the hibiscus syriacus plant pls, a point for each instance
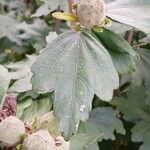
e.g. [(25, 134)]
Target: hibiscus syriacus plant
[(86, 74), (83, 62)]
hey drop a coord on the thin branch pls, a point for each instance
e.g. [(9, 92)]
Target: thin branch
[(57, 23), (139, 45), (70, 3), (130, 36)]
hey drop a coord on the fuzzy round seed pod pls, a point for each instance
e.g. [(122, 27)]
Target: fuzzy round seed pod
[(50, 123), (11, 130), (91, 13), (40, 140)]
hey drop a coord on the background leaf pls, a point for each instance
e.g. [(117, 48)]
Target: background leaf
[(103, 121), (29, 109), (63, 4), (142, 74), (84, 142), (20, 73), (7, 29), (135, 109), (125, 11), (4, 82)]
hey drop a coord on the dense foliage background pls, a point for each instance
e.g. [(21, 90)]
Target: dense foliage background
[(27, 26)]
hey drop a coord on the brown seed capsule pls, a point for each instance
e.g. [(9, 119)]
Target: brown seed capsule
[(91, 13), (11, 130)]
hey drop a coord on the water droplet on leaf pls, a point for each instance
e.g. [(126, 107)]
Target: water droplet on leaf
[(82, 107)]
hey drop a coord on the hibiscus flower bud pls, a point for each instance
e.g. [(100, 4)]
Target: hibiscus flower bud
[(40, 140), (91, 13), (11, 129)]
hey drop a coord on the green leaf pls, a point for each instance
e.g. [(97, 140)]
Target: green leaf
[(135, 109), (103, 120), (21, 69), (120, 50), (62, 4), (119, 28), (84, 142), (78, 67), (125, 11), (7, 29), (133, 105), (34, 33), (51, 36), (143, 71), (101, 125), (14, 6), (4, 82), (43, 10), (21, 73), (146, 39), (22, 85), (28, 109), (140, 132), (65, 16)]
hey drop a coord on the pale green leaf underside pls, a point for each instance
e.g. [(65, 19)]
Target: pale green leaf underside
[(131, 12), (4, 82), (77, 66)]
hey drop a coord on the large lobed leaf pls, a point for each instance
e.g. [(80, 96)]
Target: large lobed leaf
[(131, 12), (77, 66)]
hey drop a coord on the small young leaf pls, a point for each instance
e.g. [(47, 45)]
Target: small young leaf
[(65, 16)]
